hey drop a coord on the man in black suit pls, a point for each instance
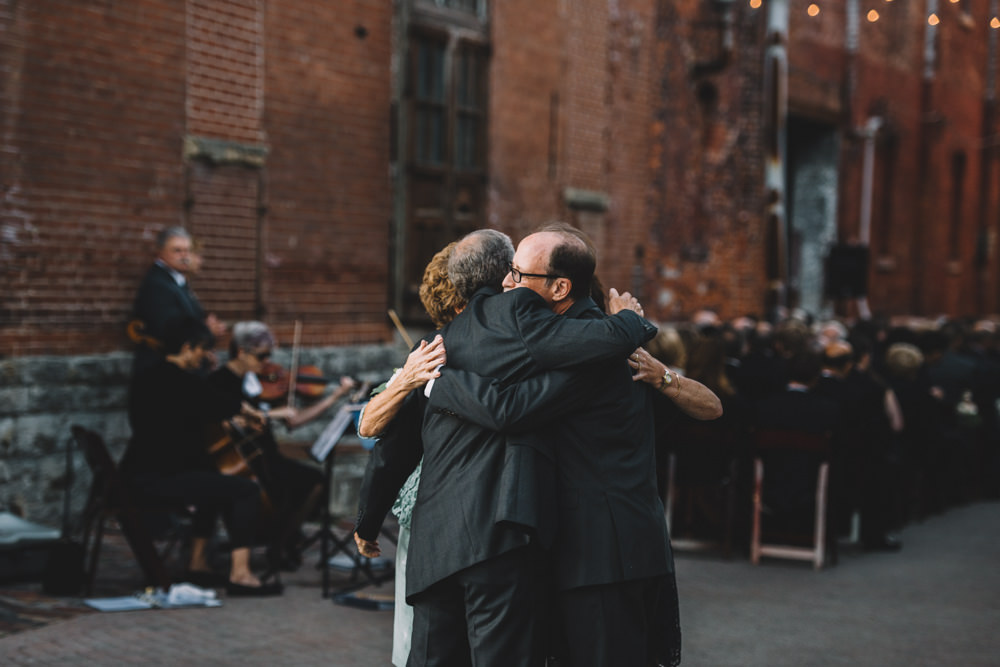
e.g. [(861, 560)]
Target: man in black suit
[(472, 575), (164, 297), (613, 568)]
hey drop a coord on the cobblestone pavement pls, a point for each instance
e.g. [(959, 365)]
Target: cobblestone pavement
[(937, 602)]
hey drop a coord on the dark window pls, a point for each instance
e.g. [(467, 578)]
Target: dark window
[(445, 175), (430, 106)]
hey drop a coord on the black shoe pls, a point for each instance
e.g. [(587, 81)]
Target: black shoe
[(264, 590), (205, 579), (887, 543)]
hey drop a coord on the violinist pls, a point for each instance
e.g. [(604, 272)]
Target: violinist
[(297, 485), (166, 461)]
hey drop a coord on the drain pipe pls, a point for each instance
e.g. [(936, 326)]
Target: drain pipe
[(775, 115), (869, 132)]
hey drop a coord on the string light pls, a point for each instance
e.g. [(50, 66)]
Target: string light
[(873, 15)]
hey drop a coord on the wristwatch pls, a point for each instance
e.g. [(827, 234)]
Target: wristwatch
[(667, 380)]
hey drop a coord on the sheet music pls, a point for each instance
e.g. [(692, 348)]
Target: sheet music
[(334, 431)]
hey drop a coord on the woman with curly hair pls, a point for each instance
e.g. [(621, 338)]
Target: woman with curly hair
[(442, 303)]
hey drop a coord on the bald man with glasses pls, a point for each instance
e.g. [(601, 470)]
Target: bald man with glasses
[(615, 599)]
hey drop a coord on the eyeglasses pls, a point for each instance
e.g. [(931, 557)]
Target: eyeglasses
[(261, 356), (517, 276)]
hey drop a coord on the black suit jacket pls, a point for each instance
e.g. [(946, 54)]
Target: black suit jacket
[(159, 301), (600, 424), (512, 335)]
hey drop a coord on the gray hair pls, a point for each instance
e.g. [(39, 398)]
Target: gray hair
[(481, 259), (168, 233), (251, 335)]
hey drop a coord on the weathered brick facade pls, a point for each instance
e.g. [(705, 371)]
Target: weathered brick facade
[(278, 133), (267, 129), (262, 126)]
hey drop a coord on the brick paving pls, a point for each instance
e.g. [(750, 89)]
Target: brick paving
[(935, 603)]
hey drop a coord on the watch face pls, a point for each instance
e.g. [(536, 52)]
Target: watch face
[(668, 378)]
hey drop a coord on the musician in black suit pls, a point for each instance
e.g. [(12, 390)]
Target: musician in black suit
[(164, 296), (472, 577), (616, 602)]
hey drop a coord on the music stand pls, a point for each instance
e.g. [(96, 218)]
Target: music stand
[(323, 451)]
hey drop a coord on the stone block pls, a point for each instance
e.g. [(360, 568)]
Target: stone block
[(9, 374), (101, 369), (45, 371), (14, 400)]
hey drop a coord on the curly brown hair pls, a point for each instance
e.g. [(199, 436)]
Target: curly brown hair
[(437, 292)]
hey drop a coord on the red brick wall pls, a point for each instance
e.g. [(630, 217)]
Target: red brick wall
[(95, 114), (328, 194), (620, 99), (706, 167), (525, 145), (913, 270)]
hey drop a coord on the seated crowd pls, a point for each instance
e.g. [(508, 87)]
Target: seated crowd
[(911, 405)]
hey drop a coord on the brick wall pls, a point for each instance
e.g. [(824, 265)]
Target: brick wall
[(630, 103), (706, 167), (91, 165), (96, 124)]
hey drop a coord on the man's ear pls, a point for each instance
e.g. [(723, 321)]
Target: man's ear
[(561, 288)]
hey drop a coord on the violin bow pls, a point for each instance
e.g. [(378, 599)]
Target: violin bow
[(399, 327)]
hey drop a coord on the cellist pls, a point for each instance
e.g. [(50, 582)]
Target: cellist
[(166, 461), (297, 485)]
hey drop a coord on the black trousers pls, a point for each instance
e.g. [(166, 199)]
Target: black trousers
[(291, 485), (634, 623), (487, 615), (212, 493)]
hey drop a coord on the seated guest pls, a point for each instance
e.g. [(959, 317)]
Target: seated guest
[(167, 460), (790, 487), (294, 486)]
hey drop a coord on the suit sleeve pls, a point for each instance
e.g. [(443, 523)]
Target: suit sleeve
[(555, 341), (514, 408), (394, 457), (160, 300)]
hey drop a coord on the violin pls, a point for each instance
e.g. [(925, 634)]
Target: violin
[(275, 382), (136, 331)]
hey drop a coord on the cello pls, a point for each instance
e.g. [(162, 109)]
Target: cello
[(238, 450)]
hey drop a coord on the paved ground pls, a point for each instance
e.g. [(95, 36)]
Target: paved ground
[(935, 603)]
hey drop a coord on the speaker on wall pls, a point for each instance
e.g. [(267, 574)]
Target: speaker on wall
[(847, 271)]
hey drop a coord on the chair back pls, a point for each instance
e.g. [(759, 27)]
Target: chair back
[(105, 485), (771, 439), (108, 497)]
